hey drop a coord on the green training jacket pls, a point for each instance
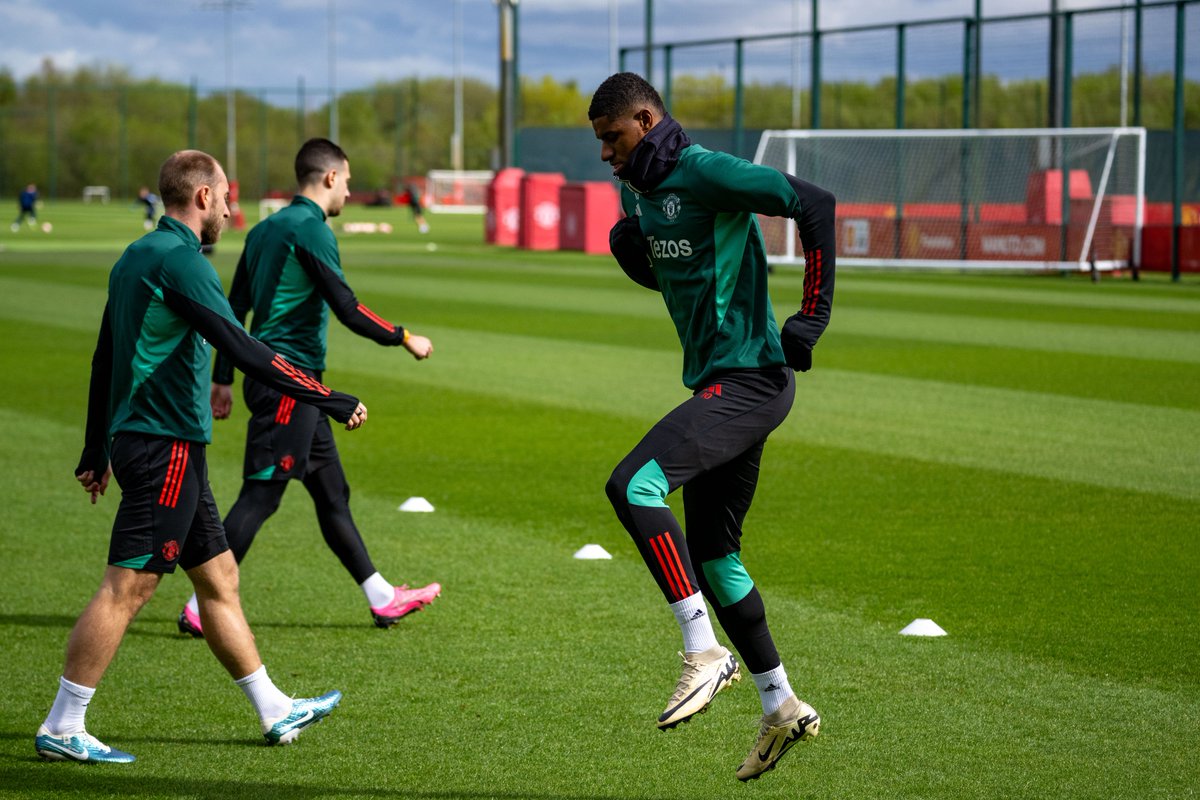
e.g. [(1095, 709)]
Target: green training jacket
[(151, 363), (706, 251), (290, 275)]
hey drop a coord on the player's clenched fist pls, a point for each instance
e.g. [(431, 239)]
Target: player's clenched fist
[(419, 346)]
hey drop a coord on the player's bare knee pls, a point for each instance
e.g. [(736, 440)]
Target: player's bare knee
[(127, 588)]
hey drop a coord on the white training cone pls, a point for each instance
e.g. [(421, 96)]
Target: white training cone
[(591, 551), (416, 504), (922, 627)]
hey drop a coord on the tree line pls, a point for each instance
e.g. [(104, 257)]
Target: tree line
[(100, 125)]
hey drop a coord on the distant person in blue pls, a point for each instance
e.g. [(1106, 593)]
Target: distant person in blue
[(28, 203), (150, 200)]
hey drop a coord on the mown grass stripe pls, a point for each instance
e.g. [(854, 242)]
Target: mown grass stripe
[(1096, 442), (1076, 297)]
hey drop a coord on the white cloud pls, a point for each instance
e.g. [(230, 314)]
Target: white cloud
[(277, 42)]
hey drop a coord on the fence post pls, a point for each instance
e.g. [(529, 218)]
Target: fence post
[(193, 115), (967, 70), (397, 130), (1137, 64), (667, 76), (52, 139), (1068, 67), (123, 141), (977, 65), (738, 96), (1053, 69), (301, 111), (649, 22), (1178, 136), (901, 79), (815, 76), (263, 172)]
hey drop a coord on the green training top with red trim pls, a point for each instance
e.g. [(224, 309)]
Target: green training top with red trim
[(290, 275), (706, 252), (151, 363)]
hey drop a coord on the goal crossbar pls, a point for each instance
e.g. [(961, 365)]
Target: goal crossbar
[(1028, 198)]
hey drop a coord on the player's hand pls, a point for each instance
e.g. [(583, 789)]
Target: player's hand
[(93, 486), (221, 400), (419, 346), (357, 418), (797, 354)]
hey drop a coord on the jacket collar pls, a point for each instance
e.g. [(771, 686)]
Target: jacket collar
[(172, 225), (655, 156), (301, 200)]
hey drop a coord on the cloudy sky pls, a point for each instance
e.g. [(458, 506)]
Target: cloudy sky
[(276, 43)]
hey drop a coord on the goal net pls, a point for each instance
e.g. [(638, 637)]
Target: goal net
[(461, 192), (970, 199)]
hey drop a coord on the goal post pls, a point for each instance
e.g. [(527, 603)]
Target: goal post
[(971, 199), (450, 191)]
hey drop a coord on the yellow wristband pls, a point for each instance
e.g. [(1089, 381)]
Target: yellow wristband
[(407, 335)]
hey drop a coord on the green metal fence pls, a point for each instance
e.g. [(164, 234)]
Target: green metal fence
[(1133, 63)]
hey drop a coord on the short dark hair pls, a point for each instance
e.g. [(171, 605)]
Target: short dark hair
[(316, 157), (621, 94), (182, 174)]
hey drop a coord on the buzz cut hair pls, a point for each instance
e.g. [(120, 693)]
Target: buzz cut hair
[(316, 157), (183, 173), (624, 93)]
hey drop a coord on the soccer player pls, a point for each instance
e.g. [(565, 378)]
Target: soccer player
[(414, 205), (690, 233), (290, 275), (27, 205), (150, 201), (148, 423)]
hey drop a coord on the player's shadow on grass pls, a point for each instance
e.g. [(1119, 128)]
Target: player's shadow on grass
[(84, 781), (38, 620)]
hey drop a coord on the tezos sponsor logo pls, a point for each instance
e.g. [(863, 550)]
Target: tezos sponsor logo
[(669, 248)]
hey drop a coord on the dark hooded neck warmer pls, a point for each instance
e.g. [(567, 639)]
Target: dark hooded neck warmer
[(655, 155)]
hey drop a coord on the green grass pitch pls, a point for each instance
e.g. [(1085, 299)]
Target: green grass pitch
[(1017, 458)]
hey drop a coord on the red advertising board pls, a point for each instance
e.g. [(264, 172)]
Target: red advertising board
[(587, 212), (502, 223), (539, 210)]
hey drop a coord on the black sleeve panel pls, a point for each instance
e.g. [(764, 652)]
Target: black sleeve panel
[(628, 247), (345, 306), (817, 229), (257, 360), (95, 437), (241, 303)]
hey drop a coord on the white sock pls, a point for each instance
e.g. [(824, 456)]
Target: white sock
[(694, 622), (773, 689), (378, 591), (70, 707), (268, 701), (194, 605)]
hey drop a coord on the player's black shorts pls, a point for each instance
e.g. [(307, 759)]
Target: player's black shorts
[(284, 438), (712, 445), (167, 514)]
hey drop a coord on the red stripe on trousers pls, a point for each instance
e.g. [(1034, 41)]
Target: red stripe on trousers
[(683, 578), (165, 494), (675, 590), (180, 472), (283, 415)]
